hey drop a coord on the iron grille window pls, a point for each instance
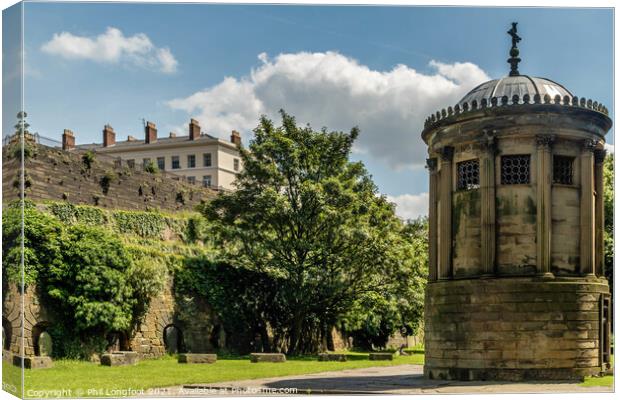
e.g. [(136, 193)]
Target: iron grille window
[(236, 164), (206, 181), (131, 163), (161, 163), (563, 170), (468, 175), (515, 169), (191, 180)]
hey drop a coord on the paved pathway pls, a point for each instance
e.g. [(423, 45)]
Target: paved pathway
[(402, 379)]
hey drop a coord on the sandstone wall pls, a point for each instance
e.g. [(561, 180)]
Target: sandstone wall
[(466, 228), (34, 319), (516, 213), (54, 174), (513, 328), (565, 216), (194, 321)]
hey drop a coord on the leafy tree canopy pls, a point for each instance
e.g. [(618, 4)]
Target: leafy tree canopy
[(306, 215)]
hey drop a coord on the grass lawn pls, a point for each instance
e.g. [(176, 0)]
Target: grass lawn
[(592, 381), (607, 380), (79, 377)]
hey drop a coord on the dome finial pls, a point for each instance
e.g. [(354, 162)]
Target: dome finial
[(514, 51)]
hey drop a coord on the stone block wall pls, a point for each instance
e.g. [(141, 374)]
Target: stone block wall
[(193, 322), (513, 328), (466, 228), (147, 339), (565, 216), (34, 319), (516, 212), (516, 230), (54, 174)]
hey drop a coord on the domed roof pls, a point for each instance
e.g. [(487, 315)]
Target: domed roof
[(519, 85)]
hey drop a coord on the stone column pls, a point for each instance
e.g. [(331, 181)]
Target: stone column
[(433, 273), (544, 171), (487, 205), (445, 214), (586, 256), (599, 213)]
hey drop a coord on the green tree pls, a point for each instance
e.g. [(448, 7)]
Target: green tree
[(306, 215), (608, 193), (399, 308)]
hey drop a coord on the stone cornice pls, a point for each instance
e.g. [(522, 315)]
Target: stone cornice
[(517, 106)]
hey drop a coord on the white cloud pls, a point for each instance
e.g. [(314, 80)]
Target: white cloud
[(610, 148), (112, 47), (410, 206), (330, 89)]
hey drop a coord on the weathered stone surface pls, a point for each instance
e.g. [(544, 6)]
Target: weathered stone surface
[(512, 328), (118, 358), (58, 175), (197, 358), (45, 344), (381, 356), (332, 357), (34, 362), (267, 357)]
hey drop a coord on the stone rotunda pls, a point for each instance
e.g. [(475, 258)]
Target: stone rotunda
[(516, 286)]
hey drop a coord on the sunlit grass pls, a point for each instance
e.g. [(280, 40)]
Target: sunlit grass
[(83, 379), (607, 380)]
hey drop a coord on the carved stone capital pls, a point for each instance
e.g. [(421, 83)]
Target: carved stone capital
[(545, 141), (599, 156), (447, 153), (488, 141), (431, 164), (588, 145)]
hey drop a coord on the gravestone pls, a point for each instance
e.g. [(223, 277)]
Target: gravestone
[(332, 357), (267, 357), (171, 339), (381, 356), (197, 358), (117, 358), (45, 344)]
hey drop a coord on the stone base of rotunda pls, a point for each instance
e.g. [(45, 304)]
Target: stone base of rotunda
[(525, 328)]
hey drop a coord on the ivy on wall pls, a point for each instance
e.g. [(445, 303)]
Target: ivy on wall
[(96, 269), (146, 224)]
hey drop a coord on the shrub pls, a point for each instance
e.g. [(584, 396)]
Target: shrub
[(145, 224), (88, 159), (42, 239), (91, 284), (106, 180), (151, 167)]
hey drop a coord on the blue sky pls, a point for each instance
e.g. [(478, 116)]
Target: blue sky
[(338, 67)]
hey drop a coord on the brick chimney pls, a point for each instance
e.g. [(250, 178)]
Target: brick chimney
[(194, 129), (68, 140), (109, 137), (150, 133), (235, 138)]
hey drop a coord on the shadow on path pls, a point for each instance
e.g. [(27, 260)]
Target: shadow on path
[(369, 384)]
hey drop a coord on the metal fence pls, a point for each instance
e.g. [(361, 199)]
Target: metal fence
[(34, 137)]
